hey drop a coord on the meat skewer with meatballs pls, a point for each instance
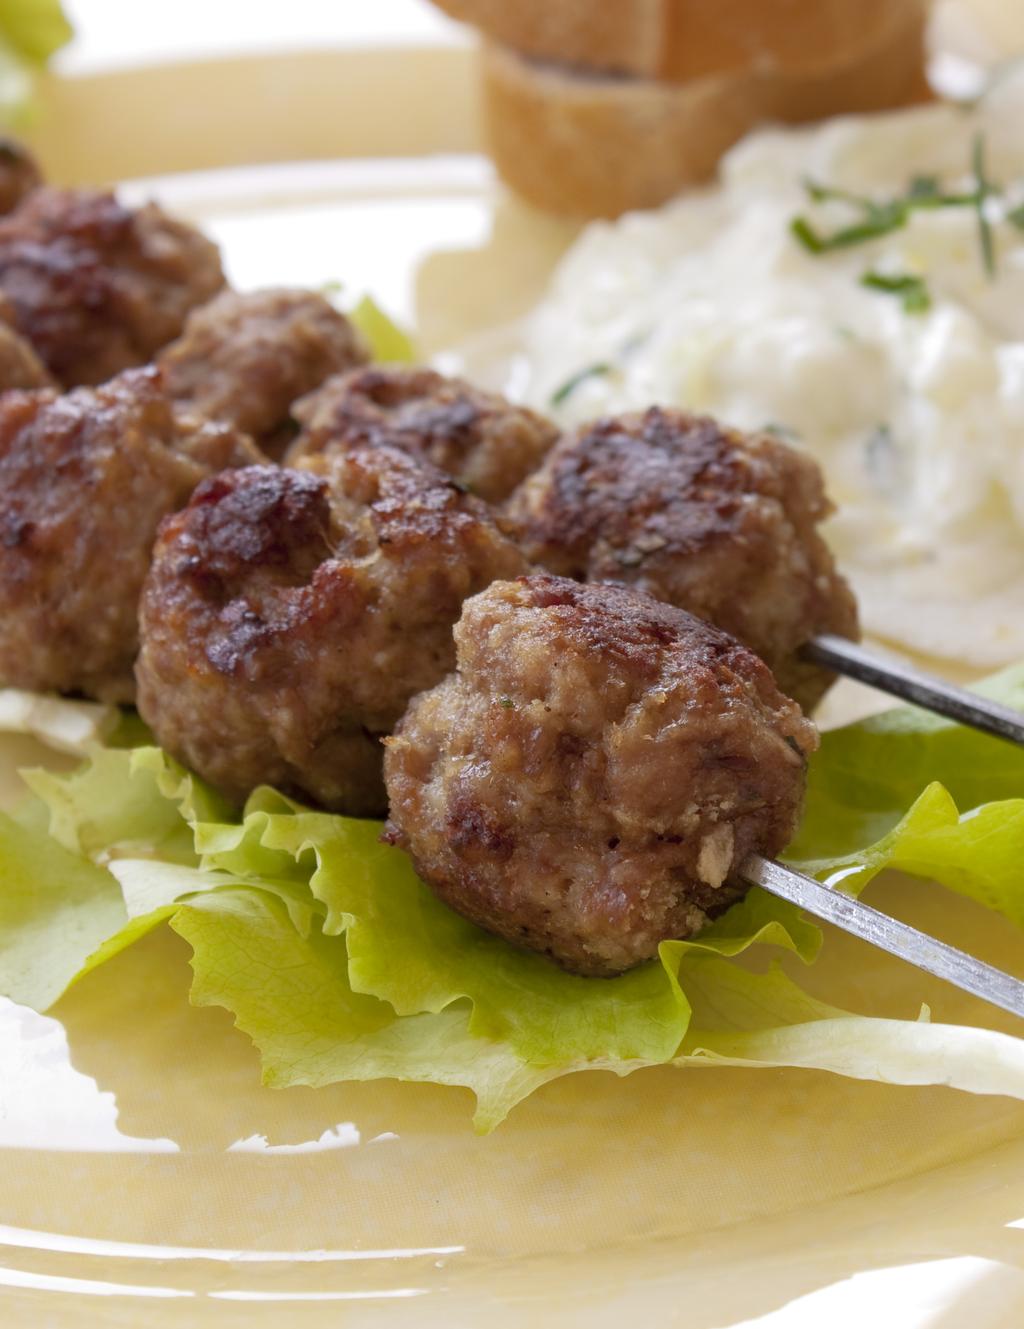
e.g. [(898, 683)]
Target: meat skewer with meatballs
[(579, 759), (605, 772)]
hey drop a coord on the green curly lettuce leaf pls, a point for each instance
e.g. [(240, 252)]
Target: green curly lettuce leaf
[(339, 964)]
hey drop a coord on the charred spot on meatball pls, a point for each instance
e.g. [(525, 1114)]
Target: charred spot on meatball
[(98, 287), (588, 781), (478, 438), (19, 174), (245, 358), (85, 479), (716, 522), (291, 614)]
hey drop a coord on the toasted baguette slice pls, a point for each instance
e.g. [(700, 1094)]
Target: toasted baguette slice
[(678, 40), (586, 145)]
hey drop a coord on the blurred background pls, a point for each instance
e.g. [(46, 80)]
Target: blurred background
[(141, 90)]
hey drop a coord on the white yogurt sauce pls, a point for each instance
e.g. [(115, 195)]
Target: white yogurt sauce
[(916, 418)]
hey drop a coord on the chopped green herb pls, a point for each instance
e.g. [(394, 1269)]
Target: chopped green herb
[(914, 291), (820, 193), (507, 702), (807, 235), (983, 188), (925, 187), (570, 385), (881, 220), (926, 192), (883, 217)]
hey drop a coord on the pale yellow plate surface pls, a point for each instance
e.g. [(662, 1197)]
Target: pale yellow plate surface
[(147, 1179)]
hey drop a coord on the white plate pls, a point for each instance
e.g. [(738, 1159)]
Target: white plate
[(148, 1179)]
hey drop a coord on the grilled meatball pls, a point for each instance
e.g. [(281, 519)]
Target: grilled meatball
[(290, 615), (481, 439), (84, 481), (587, 782), (99, 287), (246, 358), (19, 174), (720, 523)]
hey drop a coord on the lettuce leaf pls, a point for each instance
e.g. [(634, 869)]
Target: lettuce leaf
[(386, 340), (74, 727), (30, 32), (372, 894), (35, 29), (339, 963), (865, 776)]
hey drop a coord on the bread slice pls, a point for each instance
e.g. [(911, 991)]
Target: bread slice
[(588, 145), (683, 39)]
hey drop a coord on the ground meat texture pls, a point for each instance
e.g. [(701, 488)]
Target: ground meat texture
[(98, 287), (19, 174), (291, 614), (588, 781), (84, 482), (720, 523), (245, 358), (20, 367), (479, 438)]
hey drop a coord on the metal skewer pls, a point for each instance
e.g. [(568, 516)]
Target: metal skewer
[(934, 694), (899, 939)]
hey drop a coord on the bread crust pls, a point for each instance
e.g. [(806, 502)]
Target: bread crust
[(684, 39), (591, 145)]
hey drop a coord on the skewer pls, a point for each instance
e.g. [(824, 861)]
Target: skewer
[(909, 684), (899, 939)]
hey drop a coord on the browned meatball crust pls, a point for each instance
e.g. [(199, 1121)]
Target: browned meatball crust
[(99, 287), (84, 481), (245, 358), (291, 614), (720, 523), (479, 438), (587, 782), (19, 174)]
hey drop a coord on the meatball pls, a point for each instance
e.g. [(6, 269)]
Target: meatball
[(19, 174), (20, 367), (291, 614), (246, 358), (84, 481), (481, 439), (589, 780), (98, 287), (720, 523)]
